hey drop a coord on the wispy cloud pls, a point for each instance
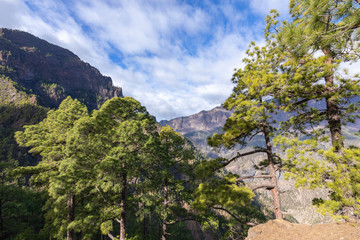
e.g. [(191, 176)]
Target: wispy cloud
[(137, 27), (176, 57)]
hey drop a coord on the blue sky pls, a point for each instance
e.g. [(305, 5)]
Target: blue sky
[(176, 57)]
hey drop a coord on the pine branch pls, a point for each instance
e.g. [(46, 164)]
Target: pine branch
[(300, 102), (235, 217), (239, 155), (257, 176), (267, 186), (111, 236)]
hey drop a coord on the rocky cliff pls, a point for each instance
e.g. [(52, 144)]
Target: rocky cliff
[(199, 126), (35, 76), (50, 72), (202, 121)]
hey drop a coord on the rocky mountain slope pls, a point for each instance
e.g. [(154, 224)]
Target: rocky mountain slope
[(202, 121), (50, 72), (296, 202), (35, 76), (199, 126)]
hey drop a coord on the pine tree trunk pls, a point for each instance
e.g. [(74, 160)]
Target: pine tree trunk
[(70, 216), (165, 204), (123, 208), (275, 191), (333, 111), (163, 235)]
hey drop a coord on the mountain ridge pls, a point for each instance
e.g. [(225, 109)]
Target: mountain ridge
[(202, 121), (51, 72)]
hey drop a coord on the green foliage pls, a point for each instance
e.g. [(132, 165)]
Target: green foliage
[(113, 149), (55, 173), (332, 25), (312, 166), (222, 192), (331, 28), (53, 89), (174, 181), (254, 105), (253, 99), (20, 209), (225, 207), (206, 169)]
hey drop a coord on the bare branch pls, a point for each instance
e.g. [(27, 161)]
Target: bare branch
[(239, 155), (255, 134), (257, 176), (235, 217), (267, 186), (111, 236), (300, 102)]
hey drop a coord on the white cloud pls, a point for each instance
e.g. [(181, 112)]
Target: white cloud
[(188, 84), (9, 12), (170, 79), (135, 27)]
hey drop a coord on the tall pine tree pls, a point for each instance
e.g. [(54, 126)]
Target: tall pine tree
[(321, 36), (115, 148), (254, 106), (54, 173)]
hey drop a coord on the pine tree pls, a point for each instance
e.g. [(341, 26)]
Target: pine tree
[(115, 147), (331, 28), (54, 173), (320, 99), (254, 106), (175, 178)]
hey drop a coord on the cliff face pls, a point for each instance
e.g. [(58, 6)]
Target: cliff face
[(35, 76), (202, 121), (50, 72)]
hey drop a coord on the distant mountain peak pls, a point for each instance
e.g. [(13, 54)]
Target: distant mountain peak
[(202, 121)]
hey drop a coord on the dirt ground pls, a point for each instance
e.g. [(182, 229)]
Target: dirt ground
[(283, 230)]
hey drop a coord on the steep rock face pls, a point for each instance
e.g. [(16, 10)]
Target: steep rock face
[(202, 121), (51, 72)]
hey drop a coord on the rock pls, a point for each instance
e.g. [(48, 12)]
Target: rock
[(202, 121)]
